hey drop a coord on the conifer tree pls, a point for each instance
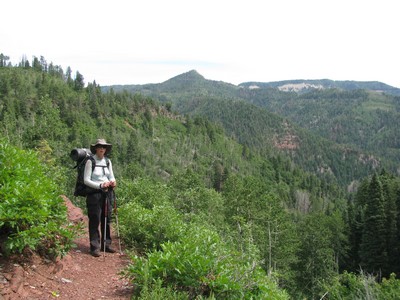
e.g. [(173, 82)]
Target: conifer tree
[(3, 60), (373, 251), (68, 75), (79, 83), (355, 215), (391, 212), (397, 260), (218, 176), (36, 64)]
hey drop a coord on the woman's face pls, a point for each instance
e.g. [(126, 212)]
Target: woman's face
[(101, 150)]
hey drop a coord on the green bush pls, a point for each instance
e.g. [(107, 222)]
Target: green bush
[(143, 191), (155, 291), (32, 213), (362, 286), (390, 288), (146, 216), (201, 265), (145, 228)]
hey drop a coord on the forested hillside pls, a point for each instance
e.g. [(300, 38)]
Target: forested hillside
[(225, 201), (287, 125), (363, 119)]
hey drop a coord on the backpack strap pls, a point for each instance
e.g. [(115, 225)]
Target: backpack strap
[(81, 163), (94, 164)]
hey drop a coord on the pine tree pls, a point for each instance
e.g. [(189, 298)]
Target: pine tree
[(79, 83), (397, 262), (3, 60), (391, 212), (373, 250), (218, 176), (355, 215)]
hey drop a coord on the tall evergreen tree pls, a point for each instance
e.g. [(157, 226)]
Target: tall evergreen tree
[(397, 260), (391, 212), (355, 215), (218, 176), (36, 64), (79, 83), (373, 250), (3, 60), (68, 75)]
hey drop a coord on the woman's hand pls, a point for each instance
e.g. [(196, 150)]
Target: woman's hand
[(108, 184)]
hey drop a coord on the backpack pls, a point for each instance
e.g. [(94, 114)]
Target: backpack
[(81, 155)]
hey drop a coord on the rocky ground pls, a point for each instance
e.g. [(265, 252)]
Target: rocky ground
[(76, 276)]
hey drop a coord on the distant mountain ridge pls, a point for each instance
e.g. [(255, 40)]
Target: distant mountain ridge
[(193, 79), (301, 85)]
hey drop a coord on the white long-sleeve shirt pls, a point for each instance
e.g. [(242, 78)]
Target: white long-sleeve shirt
[(100, 174)]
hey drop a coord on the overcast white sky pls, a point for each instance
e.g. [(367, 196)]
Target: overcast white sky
[(150, 41)]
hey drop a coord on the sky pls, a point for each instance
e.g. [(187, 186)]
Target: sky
[(235, 41)]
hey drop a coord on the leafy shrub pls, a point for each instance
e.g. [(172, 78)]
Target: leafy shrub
[(143, 191), (155, 291), (146, 228), (146, 215), (364, 286), (32, 213), (200, 203), (390, 288), (353, 286), (201, 265)]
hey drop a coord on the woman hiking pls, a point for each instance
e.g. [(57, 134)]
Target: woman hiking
[(102, 181)]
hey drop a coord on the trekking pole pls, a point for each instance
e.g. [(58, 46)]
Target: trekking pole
[(105, 227), (116, 219)]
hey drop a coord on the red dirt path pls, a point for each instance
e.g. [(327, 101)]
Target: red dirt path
[(77, 276)]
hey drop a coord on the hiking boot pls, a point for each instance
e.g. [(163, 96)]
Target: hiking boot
[(95, 253), (110, 250)]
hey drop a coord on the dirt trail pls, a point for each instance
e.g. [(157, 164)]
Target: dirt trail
[(77, 276)]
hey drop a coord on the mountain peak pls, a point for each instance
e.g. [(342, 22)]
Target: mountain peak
[(185, 80), (192, 75)]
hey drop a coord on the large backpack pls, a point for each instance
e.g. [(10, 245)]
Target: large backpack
[(81, 155)]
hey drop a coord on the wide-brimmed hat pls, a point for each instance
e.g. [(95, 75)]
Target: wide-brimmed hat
[(100, 142)]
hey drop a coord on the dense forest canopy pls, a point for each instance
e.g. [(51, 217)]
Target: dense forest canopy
[(225, 192), (345, 133)]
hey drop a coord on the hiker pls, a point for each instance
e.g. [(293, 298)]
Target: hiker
[(102, 182)]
